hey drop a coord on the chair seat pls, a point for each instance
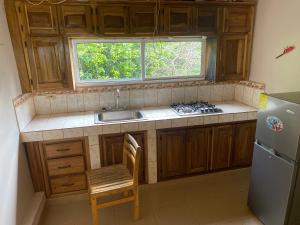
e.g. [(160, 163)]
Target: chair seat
[(107, 179)]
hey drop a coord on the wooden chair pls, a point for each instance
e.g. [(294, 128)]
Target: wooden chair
[(117, 179)]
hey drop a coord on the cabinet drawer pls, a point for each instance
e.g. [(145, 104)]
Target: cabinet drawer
[(65, 166), (63, 149), (68, 184)]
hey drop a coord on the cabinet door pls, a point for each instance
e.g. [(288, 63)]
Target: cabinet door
[(76, 19), (113, 20), (234, 51), (206, 20), (171, 154), (222, 145), (47, 63), (244, 143), (142, 19), (112, 151), (41, 19), (238, 19), (198, 149), (178, 20)]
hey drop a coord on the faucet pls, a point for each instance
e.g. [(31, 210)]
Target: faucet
[(117, 98)]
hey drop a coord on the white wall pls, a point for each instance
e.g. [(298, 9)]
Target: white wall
[(277, 26), (16, 191)]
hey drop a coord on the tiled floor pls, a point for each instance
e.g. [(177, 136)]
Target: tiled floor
[(215, 199)]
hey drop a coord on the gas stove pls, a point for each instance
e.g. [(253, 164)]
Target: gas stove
[(195, 108)]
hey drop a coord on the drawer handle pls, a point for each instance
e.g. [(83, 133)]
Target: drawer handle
[(63, 150), (64, 167), (67, 185)]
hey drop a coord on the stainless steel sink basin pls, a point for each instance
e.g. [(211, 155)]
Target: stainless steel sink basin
[(117, 116)]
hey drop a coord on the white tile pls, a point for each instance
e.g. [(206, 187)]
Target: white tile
[(195, 121), (178, 95), (240, 116), (136, 98), (107, 99), (228, 92), (32, 136), (152, 172), (248, 95), (164, 97), (252, 115), (73, 132), (147, 125), (204, 93), (75, 102), (58, 103), (152, 150), (91, 101), (92, 130), (93, 140), (111, 128), (211, 119), (226, 118), (42, 104), (256, 97), (182, 122), (191, 94), (239, 93), (25, 113), (124, 99), (162, 124), (95, 156), (217, 93), (53, 134), (127, 127), (150, 97)]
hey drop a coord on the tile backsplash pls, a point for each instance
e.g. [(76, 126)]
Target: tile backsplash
[(29, 105)]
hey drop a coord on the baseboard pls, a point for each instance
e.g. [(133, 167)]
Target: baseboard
[(37, 206)]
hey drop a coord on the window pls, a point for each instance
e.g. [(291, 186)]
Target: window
[(120, 60)]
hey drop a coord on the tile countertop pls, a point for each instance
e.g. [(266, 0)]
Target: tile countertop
[(71, 125)]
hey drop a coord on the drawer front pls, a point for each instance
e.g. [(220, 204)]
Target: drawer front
[(68, 184), (65, 166), (63, 149)]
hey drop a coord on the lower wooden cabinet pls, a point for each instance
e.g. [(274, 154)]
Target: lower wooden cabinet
[(111, 150), (189, 151)]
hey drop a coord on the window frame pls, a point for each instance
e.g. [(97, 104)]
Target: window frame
[(143, 78)]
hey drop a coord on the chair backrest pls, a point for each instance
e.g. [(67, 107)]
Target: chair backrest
[(132, 151)]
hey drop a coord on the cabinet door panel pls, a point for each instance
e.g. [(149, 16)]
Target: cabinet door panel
[(178, 20), (76, 19), (41, 19), (244, 143), (238, 20), (222, 147), (234, 52), (142, 19), (113, 19), (47, 62), (206, 20), (172, 154), (198, 147)]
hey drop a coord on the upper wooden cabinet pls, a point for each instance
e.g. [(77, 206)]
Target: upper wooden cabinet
[(233, 57), (206, 20), (142, 20), (47, 63), (76, 19), (178, 20), (112, 20), (238, 19), (41, 19)]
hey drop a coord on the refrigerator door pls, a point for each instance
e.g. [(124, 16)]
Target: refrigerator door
[(278, 127), (271, 181)]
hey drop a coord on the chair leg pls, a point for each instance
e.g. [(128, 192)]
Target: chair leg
[(136, 204), (94, 211)]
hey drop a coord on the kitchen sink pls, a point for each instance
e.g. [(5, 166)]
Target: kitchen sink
[(111, 116)]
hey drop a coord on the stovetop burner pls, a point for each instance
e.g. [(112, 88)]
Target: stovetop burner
[(195, 108)]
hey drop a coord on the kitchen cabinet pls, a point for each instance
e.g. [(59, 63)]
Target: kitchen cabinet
[(238, 19), (47, 63), (233, 53), (243, 145), (58, 168), (206, 20), (41, 19), (112, 20), (142, 20), (111, 150), (222, 145), (171, 153), (76, 19)]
